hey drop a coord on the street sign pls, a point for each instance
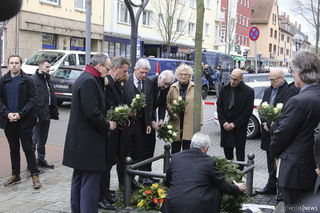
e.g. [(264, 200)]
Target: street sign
[(254, 33)]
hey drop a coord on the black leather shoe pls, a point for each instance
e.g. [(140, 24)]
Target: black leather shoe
[(266, 191), (44, 164), (135, 185), (154, 180), (111, 198), (279, 197), (145, 181), (106, 205)]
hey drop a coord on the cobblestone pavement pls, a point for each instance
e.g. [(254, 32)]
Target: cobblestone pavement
[(54, 195)]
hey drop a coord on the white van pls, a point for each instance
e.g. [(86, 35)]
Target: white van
[(57, 58)]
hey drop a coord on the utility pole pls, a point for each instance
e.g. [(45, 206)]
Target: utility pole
[(88, 30), (2, 25)]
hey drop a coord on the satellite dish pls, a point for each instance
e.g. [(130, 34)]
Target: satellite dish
[(9, 9)]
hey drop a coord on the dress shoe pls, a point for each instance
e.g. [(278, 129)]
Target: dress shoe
[(13, 179), (135, 185), (154, 180), (111, 198), (279, 197), (266, 191), (36, 182), (145, 181), (104, 204), (44, 164)]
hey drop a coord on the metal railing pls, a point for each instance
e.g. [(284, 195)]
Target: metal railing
[(131, 169)]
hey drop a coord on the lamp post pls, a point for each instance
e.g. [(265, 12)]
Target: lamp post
[(246, 51), (298, 40)]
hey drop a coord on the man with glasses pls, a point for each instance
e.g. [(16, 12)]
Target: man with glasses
[(273, 95), (234, 107)]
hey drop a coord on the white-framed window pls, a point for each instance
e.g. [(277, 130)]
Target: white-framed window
[(160, 21), (147, 17), (206, 29), (80, 4), (123, 13), (208, 4), (191, 29), (54, 2), (180, 25), (193, 3)]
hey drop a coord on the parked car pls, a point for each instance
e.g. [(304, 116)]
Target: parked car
[(63, 79), (255, 77), (57, 58), (254, 124), (160, 64)]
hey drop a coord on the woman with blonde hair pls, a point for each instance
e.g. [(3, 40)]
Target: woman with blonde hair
[(183, 88)]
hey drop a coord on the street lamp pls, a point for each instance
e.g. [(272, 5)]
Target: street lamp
[(298, 40)]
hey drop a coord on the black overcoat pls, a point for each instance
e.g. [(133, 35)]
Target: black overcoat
[(293, 139), (195, 184), (281, 97), (86, 135), (239, 114), (159, 97)]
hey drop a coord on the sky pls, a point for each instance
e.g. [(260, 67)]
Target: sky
[(286, 6)]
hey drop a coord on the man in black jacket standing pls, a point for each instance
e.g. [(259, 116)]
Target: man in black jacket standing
[(85, 146), (195, 184), (273, 95), (17, 109), (46, 109), (234, 107), (292, 141)]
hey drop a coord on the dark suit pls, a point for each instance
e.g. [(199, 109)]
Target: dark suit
[(238, 113), (195, 184), (317, 159), (266, 137), (293, 141), (137, 131)]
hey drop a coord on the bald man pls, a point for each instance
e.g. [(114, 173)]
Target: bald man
[(234, 107), (276, 93)]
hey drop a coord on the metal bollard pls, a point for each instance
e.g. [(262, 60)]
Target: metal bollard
[(249, 180), (166, 159), (127, 183)]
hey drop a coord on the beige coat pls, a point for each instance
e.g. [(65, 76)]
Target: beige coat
[(173, 94)]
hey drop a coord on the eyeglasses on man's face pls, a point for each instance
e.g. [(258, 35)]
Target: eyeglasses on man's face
[(108, 69)]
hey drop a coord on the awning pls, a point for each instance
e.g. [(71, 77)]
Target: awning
[(238, 58)]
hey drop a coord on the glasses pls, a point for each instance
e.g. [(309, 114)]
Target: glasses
[(108, 69), (270, 79)]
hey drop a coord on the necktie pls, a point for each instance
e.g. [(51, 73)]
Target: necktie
[(231, 99), (139, 86), (273, 96)]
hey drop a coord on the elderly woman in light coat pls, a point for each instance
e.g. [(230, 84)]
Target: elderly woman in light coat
[(184, 87)]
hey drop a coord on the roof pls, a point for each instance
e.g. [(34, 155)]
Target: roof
[(261, 11)]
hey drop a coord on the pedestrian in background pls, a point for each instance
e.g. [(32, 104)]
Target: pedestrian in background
[(17, 109), (85, 145), (46, 109), (216, 76), (293, 140), (234, 107)]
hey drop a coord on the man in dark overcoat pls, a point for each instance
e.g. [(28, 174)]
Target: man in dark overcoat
[(234, 107), (292, 141), (138, 83), (116, 140), (273, 95), (85, 146), (195, 184)]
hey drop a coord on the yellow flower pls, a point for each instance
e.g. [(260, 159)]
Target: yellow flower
[(154, 186), (141, 203), (161, 193)]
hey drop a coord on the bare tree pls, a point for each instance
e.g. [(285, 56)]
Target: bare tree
[(310, 11), (230, 35), (170, 19)]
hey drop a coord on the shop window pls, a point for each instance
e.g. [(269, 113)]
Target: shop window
[(112, 49), (117, 49), (128, 51), (77, 43), (49, 41), (123, 50)]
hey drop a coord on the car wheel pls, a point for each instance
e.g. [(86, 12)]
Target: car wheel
[(253, 128), (59, 102), (204, 92)]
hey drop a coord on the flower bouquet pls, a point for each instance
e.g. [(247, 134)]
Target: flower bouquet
[(178, 106), (121, 115), (150, 198), (138, 103), (167, 133), (269, 112)]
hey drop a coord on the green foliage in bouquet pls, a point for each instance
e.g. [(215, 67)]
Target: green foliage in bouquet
[(150, 197), (138, 103), (229, 203), (178, 106), (168, 133), (269, 112), (121, 115)]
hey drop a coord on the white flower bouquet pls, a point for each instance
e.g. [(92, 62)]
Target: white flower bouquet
[(269, 112), (168, 133), (138, 103), (178, 106), (121, 115)]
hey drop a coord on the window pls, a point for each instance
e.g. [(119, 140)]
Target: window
[(274, 48), (191, 30), (80, 4), (77, 43), (282, 37), (288, 39), (281, 50), (70, 60), (49, 41), (245, 3), (271, 32), (160, 21), (192, 3), (287, 52), (207, 29), (208, 4), (275, 34), (123, 13), (147, 18), (54, 2), (270, 48), (180, 26), (274, 19)]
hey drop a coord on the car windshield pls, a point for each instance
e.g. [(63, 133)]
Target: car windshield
[(258, 92), (254, 78), (52, 57), (67, 74)]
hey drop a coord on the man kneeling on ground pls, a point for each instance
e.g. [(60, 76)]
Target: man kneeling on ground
[(194, 182)]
